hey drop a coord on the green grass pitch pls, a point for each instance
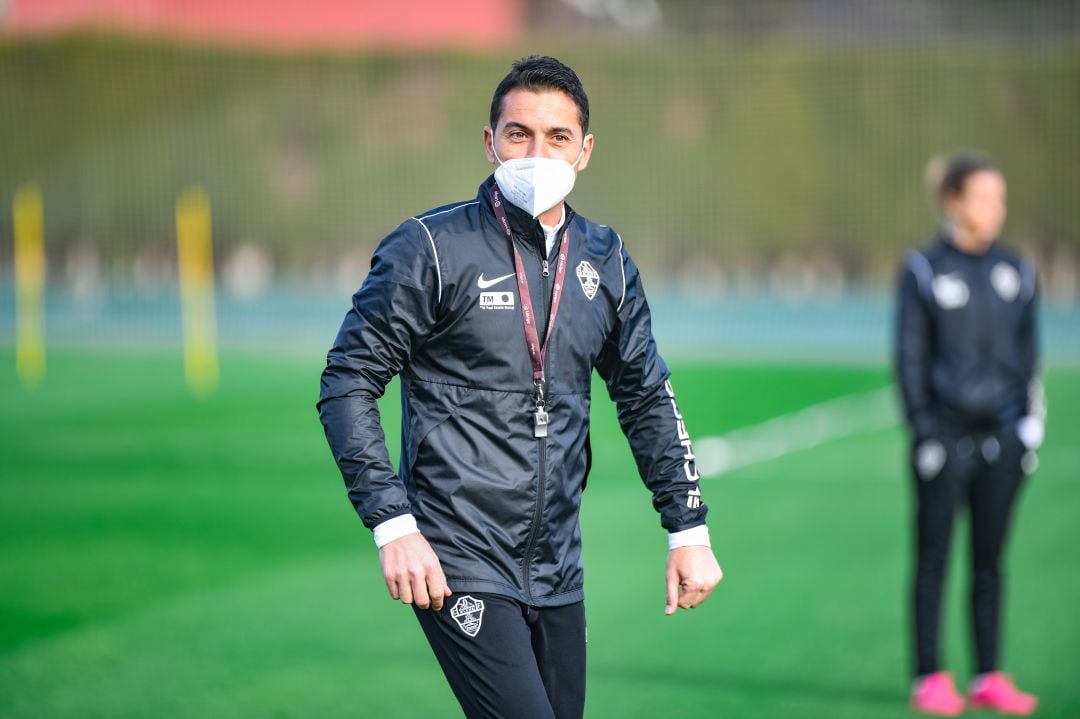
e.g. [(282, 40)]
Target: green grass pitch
[(164, 556)]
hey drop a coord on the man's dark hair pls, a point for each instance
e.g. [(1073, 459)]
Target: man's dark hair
[(538, 73), (958, 168)]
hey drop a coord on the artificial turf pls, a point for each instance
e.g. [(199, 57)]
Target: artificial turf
[(166, 556)]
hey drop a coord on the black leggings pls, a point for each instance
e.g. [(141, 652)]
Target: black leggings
[(504, 659), (982, 471)]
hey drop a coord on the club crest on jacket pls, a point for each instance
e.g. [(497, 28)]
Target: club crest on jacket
[(589, 279), (950, 291), (1006, 281)]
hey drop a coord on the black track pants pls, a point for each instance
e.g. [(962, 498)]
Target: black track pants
[(505, 660), (981, 471)]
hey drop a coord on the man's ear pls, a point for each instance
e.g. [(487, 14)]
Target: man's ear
[(586, 152), (489, 145)]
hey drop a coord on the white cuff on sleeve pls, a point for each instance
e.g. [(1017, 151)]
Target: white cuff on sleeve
[(693, 537), (394, 528)]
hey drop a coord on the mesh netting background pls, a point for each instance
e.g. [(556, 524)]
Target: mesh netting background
[(763, 161)]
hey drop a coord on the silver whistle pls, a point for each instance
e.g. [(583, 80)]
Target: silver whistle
[(540, 423)]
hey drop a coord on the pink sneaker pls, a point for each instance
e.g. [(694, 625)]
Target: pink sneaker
[(936, 694), (996, 691)]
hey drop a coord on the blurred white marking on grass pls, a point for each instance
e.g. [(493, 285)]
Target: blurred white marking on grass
[(806, 428)]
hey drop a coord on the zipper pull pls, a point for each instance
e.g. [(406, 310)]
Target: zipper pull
[(545, 268)]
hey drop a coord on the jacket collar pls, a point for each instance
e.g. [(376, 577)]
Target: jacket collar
[(525, 228), (945, 238)]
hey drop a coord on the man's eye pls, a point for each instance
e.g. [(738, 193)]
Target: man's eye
[(516, 135)]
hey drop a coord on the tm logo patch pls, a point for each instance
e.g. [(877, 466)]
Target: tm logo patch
[(468, 613), (497, 300)]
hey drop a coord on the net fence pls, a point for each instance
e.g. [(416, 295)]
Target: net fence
[(764, 161)]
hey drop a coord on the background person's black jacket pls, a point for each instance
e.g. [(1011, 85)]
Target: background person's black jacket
[(499, 507), (966, 340)]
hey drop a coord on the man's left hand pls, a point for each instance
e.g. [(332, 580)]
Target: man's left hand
[(692, 574)]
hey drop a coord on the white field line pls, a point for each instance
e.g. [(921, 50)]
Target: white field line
[(788, 433)]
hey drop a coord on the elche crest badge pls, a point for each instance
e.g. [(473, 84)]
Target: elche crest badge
[(468, 613), (589, 279), (950, 291), (1006, 281)]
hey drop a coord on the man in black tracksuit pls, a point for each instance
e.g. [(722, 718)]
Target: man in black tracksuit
[(494, 312), (966, 364)]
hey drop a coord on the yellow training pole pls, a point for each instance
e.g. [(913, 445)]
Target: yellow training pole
[(196, 264), (29, 286)]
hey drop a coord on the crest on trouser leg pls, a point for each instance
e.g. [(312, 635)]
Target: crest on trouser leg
[(468, 613)]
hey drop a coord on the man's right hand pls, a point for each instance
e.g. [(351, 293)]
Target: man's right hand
[(413, 573)]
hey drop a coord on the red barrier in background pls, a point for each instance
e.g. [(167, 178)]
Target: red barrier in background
[(278, 24)]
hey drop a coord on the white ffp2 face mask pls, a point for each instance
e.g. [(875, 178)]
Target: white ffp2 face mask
[(535, 184)]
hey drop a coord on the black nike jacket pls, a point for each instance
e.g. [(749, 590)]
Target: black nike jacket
[(440, 308)]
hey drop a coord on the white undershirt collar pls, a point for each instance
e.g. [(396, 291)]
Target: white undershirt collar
[(551, 232)]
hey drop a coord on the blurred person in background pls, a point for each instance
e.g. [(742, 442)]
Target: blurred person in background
[(967, 369), (495, 312)]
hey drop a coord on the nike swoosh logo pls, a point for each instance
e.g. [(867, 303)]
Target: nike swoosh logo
[(484, 284)]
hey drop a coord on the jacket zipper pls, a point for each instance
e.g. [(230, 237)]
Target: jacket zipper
[(986, 299), (989, 343), (538, 509), (538, 513)]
